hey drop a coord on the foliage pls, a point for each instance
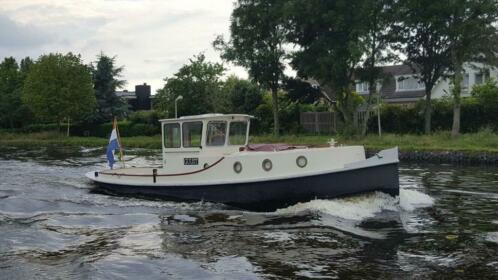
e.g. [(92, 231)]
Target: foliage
[(257, 36), (487, 94), (478, 113), (301, 91), (59, 87), (331, 45), (199, 82), (10, 93), (242, 96), (470, 22), (422, 37), (146, 117), (105, 76)]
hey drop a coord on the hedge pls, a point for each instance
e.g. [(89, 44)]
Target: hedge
[(410, 120)]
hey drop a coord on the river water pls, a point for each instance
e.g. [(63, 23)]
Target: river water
[(444, 225)]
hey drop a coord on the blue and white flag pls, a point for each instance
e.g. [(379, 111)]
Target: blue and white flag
[(113, 145)]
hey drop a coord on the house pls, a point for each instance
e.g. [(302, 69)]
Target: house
[(140, 99), (401, 84)]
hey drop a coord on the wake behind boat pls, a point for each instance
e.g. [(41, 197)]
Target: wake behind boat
[(207, 158)]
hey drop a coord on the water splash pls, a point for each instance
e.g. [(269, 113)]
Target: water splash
[(365, 206), (410, 199)]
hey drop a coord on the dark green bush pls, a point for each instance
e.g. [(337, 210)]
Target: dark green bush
[(146, 117), (475, 115), (40, 128)]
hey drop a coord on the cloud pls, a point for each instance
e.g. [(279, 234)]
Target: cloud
[(16, 35), (151, 38)]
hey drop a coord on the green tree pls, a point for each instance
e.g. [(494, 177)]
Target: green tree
[(421, 36), (487, 95), (257, 37), (379, 17), (331, 46), (106, 80), (25, 66), (243, 95), (199, 82), (473, 34), (59, 87), (10, 93), (301, 91)]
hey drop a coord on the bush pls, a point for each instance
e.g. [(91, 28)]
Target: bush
[(146, 117), (40, 128), (476, 113)]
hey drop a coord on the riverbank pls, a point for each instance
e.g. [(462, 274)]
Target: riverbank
[(479, 147)]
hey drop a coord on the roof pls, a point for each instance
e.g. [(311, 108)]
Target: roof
[(126, 94), (388, 89), (209, 116)]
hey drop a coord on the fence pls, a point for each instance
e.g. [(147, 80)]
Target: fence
[(318, 122)]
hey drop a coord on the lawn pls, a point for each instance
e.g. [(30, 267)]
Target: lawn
[(441, 141)]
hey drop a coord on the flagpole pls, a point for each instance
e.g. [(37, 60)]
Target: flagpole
[(115, 126)]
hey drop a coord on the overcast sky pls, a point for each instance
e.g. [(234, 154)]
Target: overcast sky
[(151, 38)]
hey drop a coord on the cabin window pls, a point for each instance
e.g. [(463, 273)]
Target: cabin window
[(237, 133), (216, 133), (192, 134), (171, 134)]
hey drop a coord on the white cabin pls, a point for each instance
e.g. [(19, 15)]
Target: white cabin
[(196, 141)]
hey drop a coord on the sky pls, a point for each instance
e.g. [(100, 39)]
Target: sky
[(152, 39)]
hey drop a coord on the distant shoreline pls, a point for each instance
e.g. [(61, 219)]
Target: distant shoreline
[(436, 148)]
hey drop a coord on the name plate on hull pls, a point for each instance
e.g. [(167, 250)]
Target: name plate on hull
[(190, 161)]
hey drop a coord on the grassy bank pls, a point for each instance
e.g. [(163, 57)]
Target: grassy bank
[(442, 141), (57, 139)]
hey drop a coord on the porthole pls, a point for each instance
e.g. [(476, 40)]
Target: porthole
[(267, 165), (237, 167), (301, 161)]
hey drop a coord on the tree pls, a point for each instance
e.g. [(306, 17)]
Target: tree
[(473, 36), (59, 87), (10, 93), (329, 35), (199, 82), (105, 76), (379, 16), (243, 95), (420, 29), (301, 91), (257, 37)]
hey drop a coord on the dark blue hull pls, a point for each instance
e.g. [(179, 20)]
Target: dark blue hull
[(271, 195)]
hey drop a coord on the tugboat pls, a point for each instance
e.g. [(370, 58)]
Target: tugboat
[(208, 158)]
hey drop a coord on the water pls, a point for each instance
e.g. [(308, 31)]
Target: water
[(52, 226)]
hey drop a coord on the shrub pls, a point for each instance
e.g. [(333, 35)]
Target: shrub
[(146, 117)]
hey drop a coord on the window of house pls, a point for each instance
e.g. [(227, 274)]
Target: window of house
[(237, 133), (362, 87), (192, 134), (465, 81), (216, 133), (171, 134), (409, 83), (481, 77)]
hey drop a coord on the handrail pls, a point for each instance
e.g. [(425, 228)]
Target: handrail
[(164, 175)]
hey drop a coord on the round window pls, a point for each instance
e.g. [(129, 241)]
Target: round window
[(301, 161), (237, 167), (267, 165)]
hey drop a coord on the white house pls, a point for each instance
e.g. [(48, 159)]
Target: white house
[(401, 84)]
